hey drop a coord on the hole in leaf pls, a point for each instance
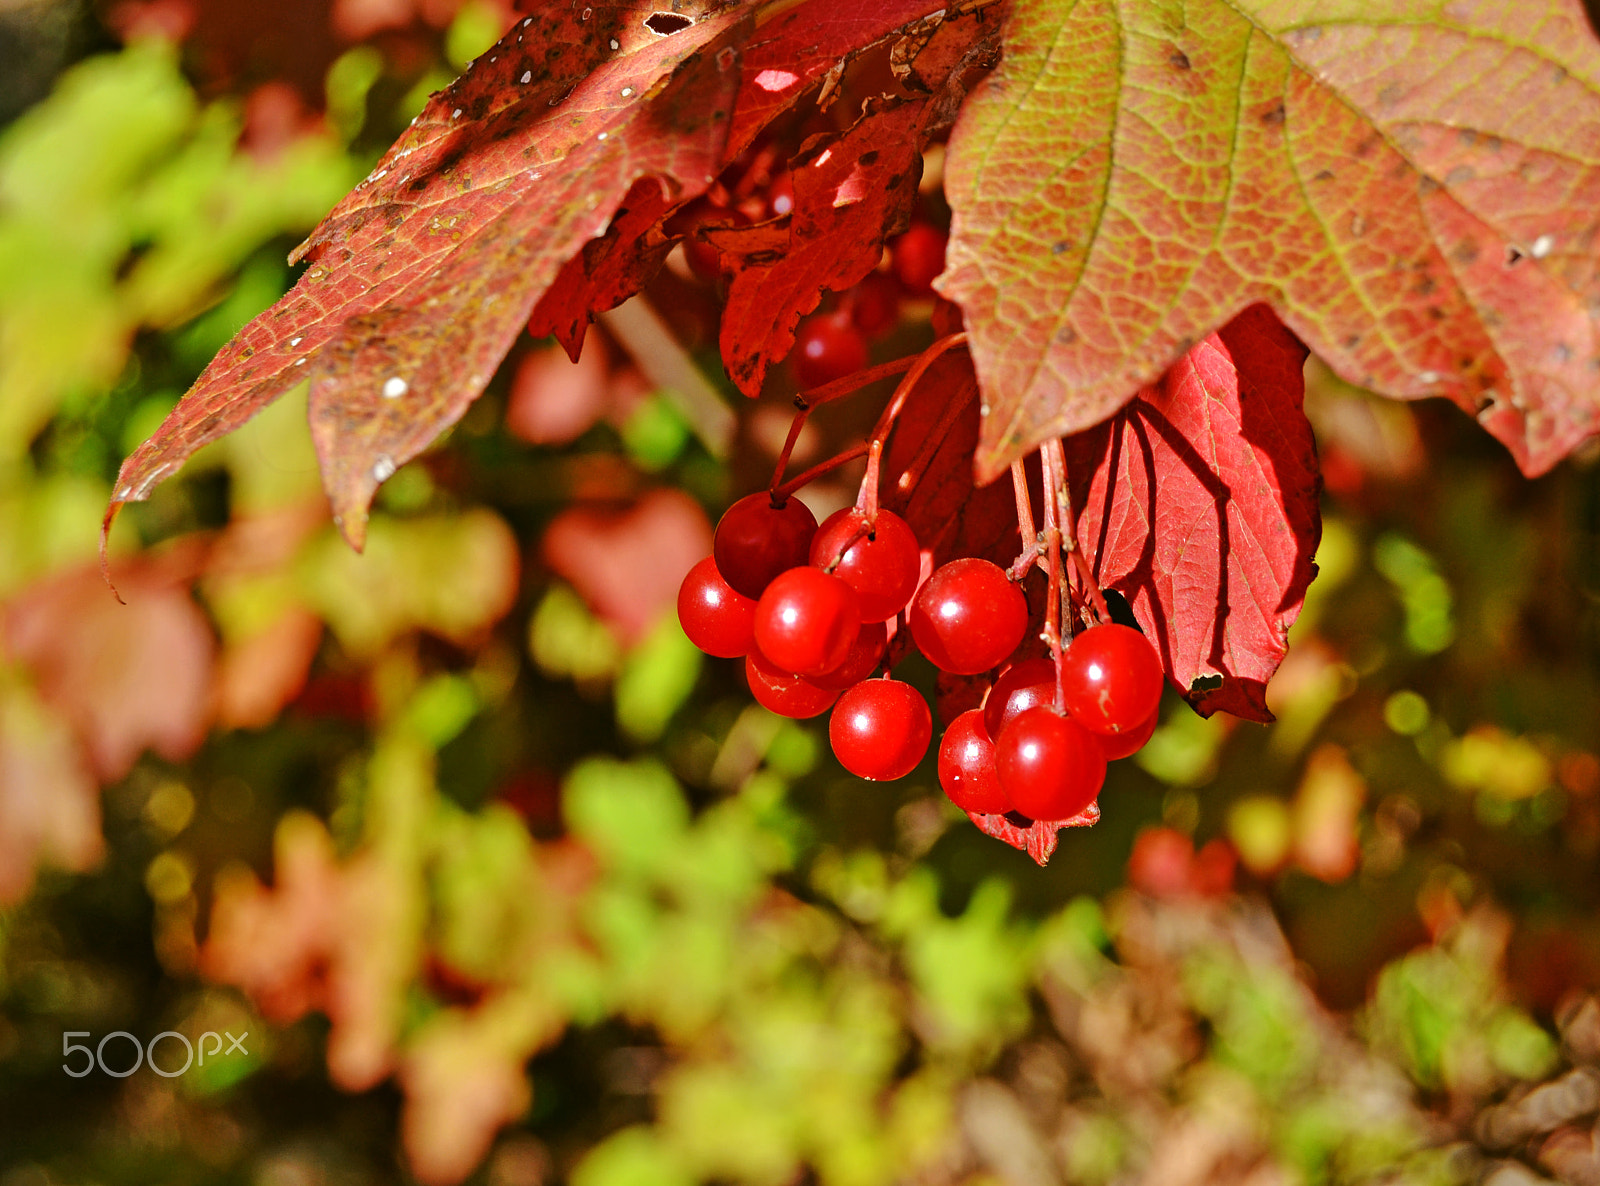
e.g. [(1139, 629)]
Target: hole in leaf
[(1020, 820), (1121, 611), (1205, 683), (664, 24)]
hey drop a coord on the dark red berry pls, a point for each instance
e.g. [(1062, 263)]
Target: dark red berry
[(717, 619), (918, 258), (755, 541), (1050, 766), (827, 347), (1020, 687), (881, 564), (966, 767), (705, 261), (880, 729), (968, 616), (865, 653), (1125, 745), (1111, 678), (786, 694), (875, 304), (806, 621), (780, 196)]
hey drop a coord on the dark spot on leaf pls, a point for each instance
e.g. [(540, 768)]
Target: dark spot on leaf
[(1204, 683), (1067, 335), (1513, 257), (664, 24), (1485, 402), (1465, 252), (867, 158), (1460, 175), (1273, 115), (1352, 341), (1563, 352), (1059, 246), (1427, 185), (1179, 60), (1425, 286), (1020, 820), (1323, 175)]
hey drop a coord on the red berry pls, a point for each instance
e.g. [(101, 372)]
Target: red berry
[(1050, 766), (780, 196), (1111, 678), (783, 693), (881, 565), (968, 616), (918, 258), (875, 304), (1125, 745), (827, 347), (966, 767), (705, 261), (1020, 687), (807, 621), (862, 660), (717, 619), (880, 729), (755, 541)]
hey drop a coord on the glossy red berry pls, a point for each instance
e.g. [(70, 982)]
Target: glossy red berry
[(717, 619), (1111, 678), (880, 729), (807, 621), (755, 541), (1126, 744), (1021, 686), (875, 304), (966, 766), (786, 694), (881, 564), (1050, 766), (918, 257), (968, 616), (827, 347), (861, 662)]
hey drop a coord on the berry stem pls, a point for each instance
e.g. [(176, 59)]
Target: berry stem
[(868, 501), (1080, 562), (1048, 462), (1025, 524), (808, 401), (781, 493)]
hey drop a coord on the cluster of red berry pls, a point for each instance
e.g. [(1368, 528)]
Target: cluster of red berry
[(809, 608)]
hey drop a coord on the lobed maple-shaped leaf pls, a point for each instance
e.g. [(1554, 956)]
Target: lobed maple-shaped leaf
[(421, 278), (1198, 502), (1413, 186)]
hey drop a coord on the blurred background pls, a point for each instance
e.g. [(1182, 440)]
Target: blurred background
[(488, 875)]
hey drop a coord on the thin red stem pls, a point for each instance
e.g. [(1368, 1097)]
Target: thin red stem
[(1080, 562), (808, 401), (903, 391), (1052, 544), (816, 471), (1026, 527)]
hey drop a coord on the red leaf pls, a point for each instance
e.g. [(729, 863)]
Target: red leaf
[(608, 270), (423, 276), (1412, 187), (1198, 502), (850, 193), (1038, 839), (807, 44)]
